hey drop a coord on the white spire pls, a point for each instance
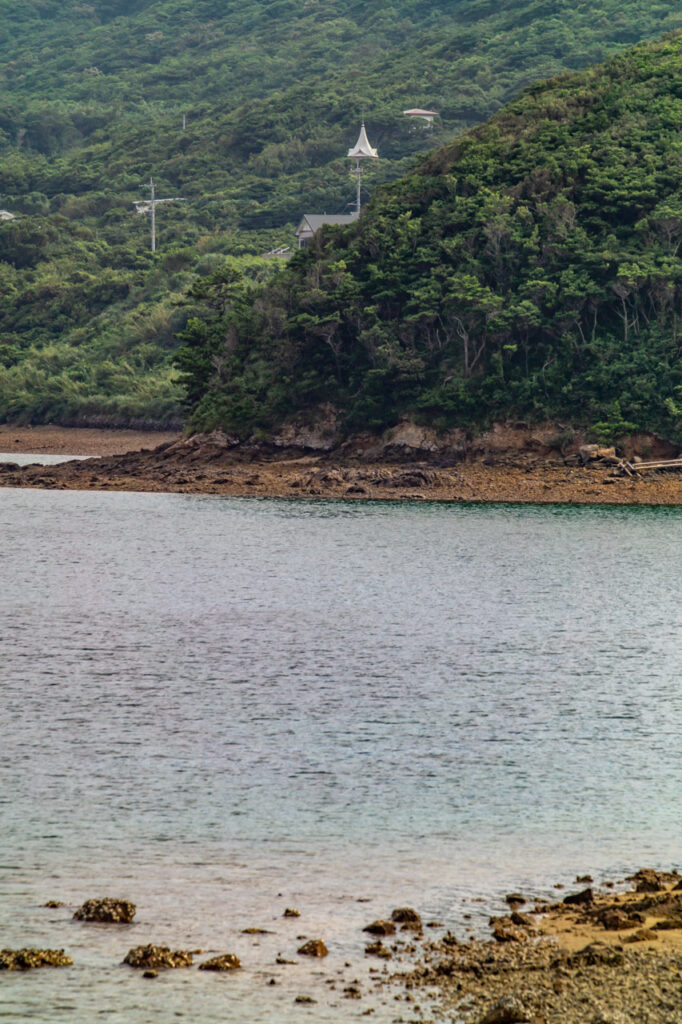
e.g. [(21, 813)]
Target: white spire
[(362, 148)]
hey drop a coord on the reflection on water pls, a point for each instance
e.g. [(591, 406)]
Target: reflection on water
[(219, 708)]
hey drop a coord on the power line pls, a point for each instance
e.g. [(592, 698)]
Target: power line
[(149, 206)]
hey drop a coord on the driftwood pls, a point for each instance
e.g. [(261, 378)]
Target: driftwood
[(630, 468)]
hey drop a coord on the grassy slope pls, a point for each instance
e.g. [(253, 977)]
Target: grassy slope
[(91, 101)]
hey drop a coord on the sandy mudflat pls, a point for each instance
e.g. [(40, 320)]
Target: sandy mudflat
[(47, 440)]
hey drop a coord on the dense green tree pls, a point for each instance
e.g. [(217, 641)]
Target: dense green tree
[(92, 100), (530, 269)]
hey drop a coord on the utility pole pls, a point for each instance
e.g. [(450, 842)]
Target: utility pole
[(153, 212), (149, 206)]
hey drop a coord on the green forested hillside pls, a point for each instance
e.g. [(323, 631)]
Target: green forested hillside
[(531, 269), (92, 97)]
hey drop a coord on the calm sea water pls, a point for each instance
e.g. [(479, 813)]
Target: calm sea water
[(39, 458), (219, 708)]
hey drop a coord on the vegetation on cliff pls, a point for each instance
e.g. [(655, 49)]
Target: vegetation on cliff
[(531, 269), (92, 101)]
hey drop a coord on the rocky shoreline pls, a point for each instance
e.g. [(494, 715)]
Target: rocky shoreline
[(596, 957), (609, 954), (510, 464)]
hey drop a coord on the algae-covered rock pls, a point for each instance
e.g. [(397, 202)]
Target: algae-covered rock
[(157, 958), (225, 962), (314, 947), (107, 910), (27, 959), (408, 918), (378, 949)]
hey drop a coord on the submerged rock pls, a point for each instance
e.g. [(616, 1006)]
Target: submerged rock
[(159, 958), (107, 910), (27, 959), (225, 962), (380, 928), (408, 918), (313, 947), (378, 949)]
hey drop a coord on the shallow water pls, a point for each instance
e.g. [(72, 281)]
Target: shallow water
[(219, 708), (39, 458)]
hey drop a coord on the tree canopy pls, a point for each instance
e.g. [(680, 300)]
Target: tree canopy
[(92, 101), (530, 269)]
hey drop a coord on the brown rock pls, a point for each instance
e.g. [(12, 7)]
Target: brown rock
[(380, 928), (290, 912), (505, 931), (378, 949), (507, 1010), (522, 920), (579, 899), (408, 918), (596, 953), (225, 962), (107, 911), (27, 959), (313, 947), (647, 880), (53, 904), (616, 920), (157, 958), (642, 935), (514, 899)]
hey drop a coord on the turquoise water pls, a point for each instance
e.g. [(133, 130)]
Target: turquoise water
[(219, 708)]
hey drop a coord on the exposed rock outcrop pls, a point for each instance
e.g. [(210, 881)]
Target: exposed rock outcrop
[(225, 962), (107, 910), (27, 959), (157, 958)]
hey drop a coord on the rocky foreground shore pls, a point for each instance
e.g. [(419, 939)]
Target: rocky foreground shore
[(509, 464), (595, 957), (599, 955)]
